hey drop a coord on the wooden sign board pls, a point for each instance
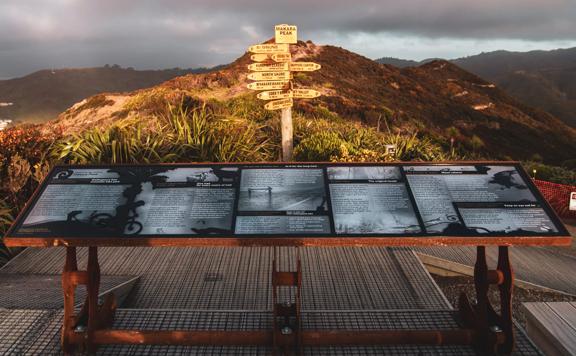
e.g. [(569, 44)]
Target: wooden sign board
[(286, 34), (260, 57), (281, 57), (269, 85), (270, 76), (275, 67), (276, 57), (279, 104), (305, 93), (304, 66), (269, 48), (274, 94), (288, 204)]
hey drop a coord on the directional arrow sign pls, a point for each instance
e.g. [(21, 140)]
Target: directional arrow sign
[(281, 57), (304, 66), (269, 48), (270, 76), (276, 67), (269, 85), (305, 93), (279, 104), (276, 57), (260, 57), (274, 94)]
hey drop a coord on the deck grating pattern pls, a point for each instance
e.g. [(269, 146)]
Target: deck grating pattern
[(240, 278), (30, 338), (35, 291), (536, 265)]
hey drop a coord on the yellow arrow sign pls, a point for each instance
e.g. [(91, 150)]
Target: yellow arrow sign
[(270, 76), (305, 93), (260, 57), (279, 104), (304, 66), (286, 33), (269, 85), (274, 94), (269, 48), (275, 67), (276, 57), (281, 57)]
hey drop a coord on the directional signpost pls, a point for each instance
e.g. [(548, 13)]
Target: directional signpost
[(272, 73), (274, 94), (270, 76)]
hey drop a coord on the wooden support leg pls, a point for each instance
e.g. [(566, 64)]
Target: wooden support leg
[(506, 289), (92, 289), (69, 287), (495, 332), (287, 332), (78, 330)]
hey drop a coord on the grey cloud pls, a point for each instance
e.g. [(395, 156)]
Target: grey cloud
[(146, 33)]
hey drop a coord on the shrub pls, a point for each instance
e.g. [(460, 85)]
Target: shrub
[(550, 173), (181, 135), (23, 151), (321, 146)]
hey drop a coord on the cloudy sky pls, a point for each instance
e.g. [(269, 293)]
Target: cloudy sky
[(38, 34)]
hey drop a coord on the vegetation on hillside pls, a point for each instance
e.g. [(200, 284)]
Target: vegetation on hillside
[(233, 131)]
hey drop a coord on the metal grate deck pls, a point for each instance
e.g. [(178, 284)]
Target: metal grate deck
[(35, 291), (536, 265), (33, 332), (240, 278)]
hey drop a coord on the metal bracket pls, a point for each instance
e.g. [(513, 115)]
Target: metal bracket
[(287, 328)]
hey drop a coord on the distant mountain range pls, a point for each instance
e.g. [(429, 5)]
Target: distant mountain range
[(43, 95), (543, 79), (431, 98)]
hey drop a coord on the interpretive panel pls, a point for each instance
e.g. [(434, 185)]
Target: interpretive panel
[(287, 200), (371, 200), (456, 200), (282, 201)]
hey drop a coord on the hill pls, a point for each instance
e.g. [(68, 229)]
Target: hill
[(431, 99), (543, 79), (43, 95)]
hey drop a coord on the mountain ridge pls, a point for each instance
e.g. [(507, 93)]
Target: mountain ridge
[(545, 79), (433, 98), (44, 94)]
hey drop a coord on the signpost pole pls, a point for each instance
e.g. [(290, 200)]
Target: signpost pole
[(287, 134), (273, 74)]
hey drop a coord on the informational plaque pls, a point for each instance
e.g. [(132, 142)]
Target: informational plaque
[(287, 200)]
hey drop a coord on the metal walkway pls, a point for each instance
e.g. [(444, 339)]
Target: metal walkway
[(356, 288), (36, 332), (240, 278), (535, 265)]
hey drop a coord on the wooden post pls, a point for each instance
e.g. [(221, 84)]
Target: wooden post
[(69, 287), (287, 134)]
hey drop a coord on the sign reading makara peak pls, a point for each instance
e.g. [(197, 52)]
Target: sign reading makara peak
[(286, 34), (272, 72)]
